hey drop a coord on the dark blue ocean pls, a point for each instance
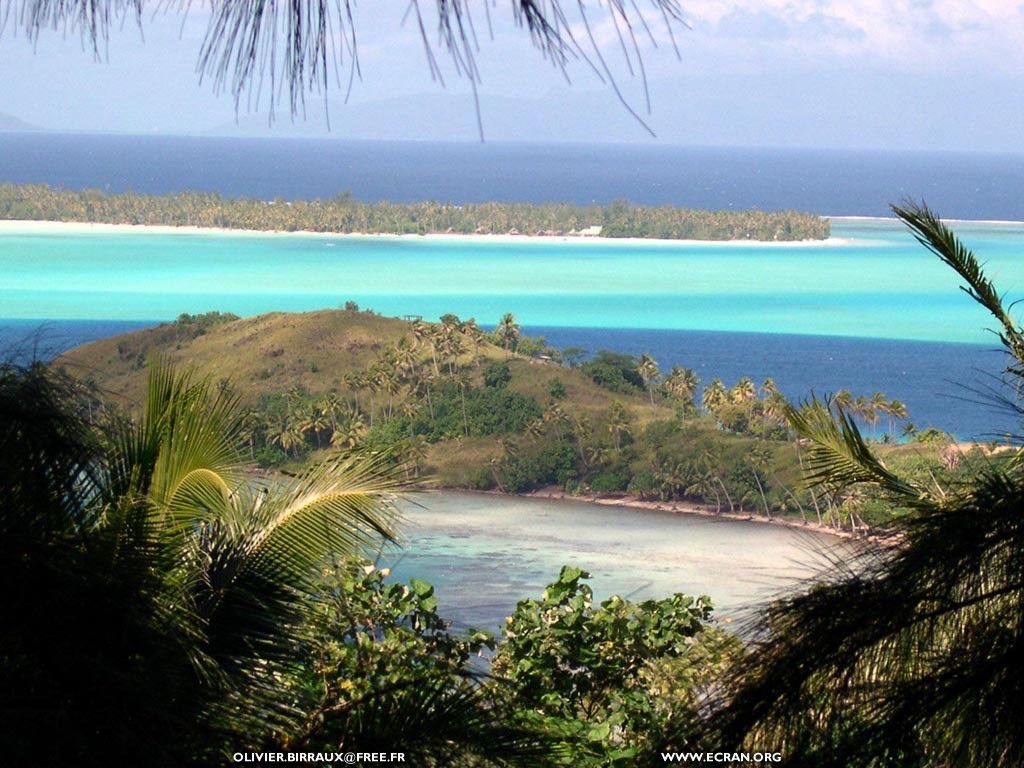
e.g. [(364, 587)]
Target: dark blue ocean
[(951, 386), (828, 182)]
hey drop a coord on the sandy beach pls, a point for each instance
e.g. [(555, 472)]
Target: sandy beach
[(555, 493), (28, 227)]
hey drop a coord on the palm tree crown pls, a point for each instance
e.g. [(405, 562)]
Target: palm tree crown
[(160, 586)]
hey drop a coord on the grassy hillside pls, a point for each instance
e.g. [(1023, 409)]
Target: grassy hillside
[(273, 353), (260, 355)]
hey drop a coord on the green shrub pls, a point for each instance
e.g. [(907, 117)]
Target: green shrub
[(597, 676), (554, 464), (614, 371), (497, 375), (609, 482)]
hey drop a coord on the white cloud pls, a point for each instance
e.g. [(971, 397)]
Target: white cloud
[(914, 34)]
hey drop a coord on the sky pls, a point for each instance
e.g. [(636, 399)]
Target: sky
[(889, 74)]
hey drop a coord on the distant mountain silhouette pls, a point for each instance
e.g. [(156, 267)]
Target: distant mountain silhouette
[(12, 123), (862, 109)]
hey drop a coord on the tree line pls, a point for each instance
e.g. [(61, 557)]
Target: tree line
[(344, 214)]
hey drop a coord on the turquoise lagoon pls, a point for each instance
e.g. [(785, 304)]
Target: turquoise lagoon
[(871, 280), (483, 553)]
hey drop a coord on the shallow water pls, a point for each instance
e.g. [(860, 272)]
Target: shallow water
[(485, 552), (875, 282)]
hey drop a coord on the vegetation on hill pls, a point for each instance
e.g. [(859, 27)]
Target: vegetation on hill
[(480, 409), (344, 214)]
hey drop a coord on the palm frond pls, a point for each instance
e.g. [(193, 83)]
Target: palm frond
[(340, 506), (441, 722), (903, 655), (251, 566), (838, 456), (264, 48), (159, 592), (49, 457), (932, 233), (198, 429), (182, 454)]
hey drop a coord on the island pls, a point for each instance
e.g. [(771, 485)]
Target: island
[(344, 215)]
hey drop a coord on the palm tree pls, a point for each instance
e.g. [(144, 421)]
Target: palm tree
[(536, 428), (420, 331), (330, 405), (316, 422), (618, 423), (743, 391), (896, 409), (774, 406), (674, 477), (714, 397), (704, 485), (287, 435), (508, 331), (159, 587), (405, 358), (463, 383), (581, 431), (421, 387), (759, 460), (355, 381), (349, 432), (415, 452), (711, 463), (647, 367), (251, 428), (475, 335), (879, 406), (557, 417), (681, 383), (844, 399), (449, 342), (907, 653)]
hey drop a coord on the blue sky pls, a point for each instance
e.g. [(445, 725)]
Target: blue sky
[(909, 74)]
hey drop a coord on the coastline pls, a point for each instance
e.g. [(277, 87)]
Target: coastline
[(624, 502), (895, 221), (35, 227), (554, 493)]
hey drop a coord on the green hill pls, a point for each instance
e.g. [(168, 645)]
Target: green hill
[(356, 377), (316, 352), (260, 355)]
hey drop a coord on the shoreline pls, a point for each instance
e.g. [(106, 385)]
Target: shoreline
[(554, 493), (42, 227), (624, 502), (893, 220)]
